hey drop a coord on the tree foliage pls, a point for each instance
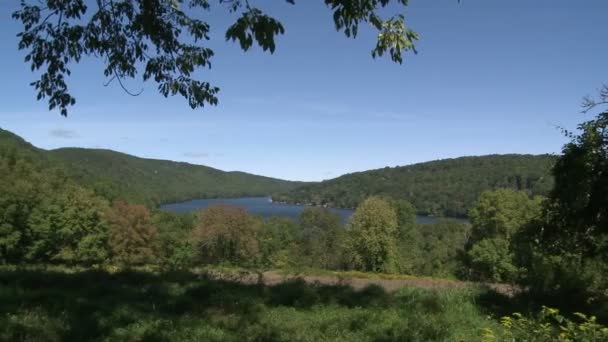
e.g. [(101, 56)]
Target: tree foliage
[(371, 244), (132, 235), (577, 217), (500, 213), (406, 216), (278, 242), (164, 41), (175, 247), (122, 176), (69, 226), (566, 249), (447, 187), (44, 216), (227, 234), (20, 194), (320, 238), (438, 249), (496, 218)]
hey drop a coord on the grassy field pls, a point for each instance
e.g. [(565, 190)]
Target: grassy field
[(72, 305)]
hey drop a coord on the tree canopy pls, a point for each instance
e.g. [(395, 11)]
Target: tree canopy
[(446, 187), (165, 41), (373, 236), (578, 215), (497, 218)]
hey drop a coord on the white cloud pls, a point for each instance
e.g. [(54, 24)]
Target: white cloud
[(63, 133)]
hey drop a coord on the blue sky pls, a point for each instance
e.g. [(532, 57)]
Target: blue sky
[(491, 76)]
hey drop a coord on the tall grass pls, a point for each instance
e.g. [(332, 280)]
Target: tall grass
[(55, 305)]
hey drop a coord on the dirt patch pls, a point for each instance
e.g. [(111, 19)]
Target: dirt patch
[(273, 278)]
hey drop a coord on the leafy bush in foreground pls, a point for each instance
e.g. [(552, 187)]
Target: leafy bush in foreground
[(549, 326)]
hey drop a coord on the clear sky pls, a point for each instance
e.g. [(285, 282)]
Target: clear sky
[(491, 76)]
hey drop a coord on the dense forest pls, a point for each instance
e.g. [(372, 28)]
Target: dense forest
[(444, 187), (117, 175)]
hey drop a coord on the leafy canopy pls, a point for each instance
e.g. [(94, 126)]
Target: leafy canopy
[(319, 239), (132, 235), (373, 236), (577, 217), (225, 233), (164, 41), (497, 218)]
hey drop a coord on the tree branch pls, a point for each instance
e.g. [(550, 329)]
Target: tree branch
[(123, 86)]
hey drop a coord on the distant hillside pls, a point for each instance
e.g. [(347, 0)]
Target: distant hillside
[(11, 143), (162, 180), (443, 187), (118, 175)]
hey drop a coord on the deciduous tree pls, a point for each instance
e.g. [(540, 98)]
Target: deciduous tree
[(320, 238), (165, 41), (229, 234), (69, 226), (577, 214), (174, 229), (132, 234), (21, 191), (566, 250), (371, 243), (496, 218), (277, 242)]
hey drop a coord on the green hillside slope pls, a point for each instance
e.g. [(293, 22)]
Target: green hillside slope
[(118, 175), (161, 180), (443, 187), (15, 146)]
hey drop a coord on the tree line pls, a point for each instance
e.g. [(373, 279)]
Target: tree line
[(46, 217), (446, 187)]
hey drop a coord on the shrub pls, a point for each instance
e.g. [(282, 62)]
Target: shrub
[(550, 325)]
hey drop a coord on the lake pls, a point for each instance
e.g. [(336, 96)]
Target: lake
[(264, 207)]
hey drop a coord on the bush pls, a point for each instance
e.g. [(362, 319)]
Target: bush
[(549, 326)]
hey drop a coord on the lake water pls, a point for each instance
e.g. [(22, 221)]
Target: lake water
[(264, 207)]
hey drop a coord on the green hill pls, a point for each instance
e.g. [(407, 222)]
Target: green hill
[(443, 187), (162, 180), (15, 146), (118, 175)]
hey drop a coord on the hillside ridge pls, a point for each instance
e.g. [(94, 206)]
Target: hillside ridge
[(118, 175), (444, 187)]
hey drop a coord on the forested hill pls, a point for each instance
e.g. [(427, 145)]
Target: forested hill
[(163, 180), (444, 187), (14, 146), (118, 175)]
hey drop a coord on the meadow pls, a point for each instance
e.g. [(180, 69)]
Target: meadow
[(69, 304)]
